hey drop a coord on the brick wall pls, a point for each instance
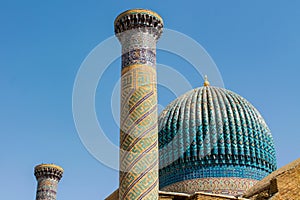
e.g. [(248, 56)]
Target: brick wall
[(283, 184)]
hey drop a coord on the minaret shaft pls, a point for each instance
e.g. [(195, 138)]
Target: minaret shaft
[(138, 31), (46, 189)]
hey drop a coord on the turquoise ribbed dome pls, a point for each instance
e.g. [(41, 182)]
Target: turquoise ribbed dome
[(211, 132)]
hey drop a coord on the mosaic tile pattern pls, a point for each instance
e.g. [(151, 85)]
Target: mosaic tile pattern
[(213, 132), (227, 186), (48, 177), (188, 172), (138, 134), (139, 56)]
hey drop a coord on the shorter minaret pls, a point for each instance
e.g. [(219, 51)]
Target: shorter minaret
[(48, 176)]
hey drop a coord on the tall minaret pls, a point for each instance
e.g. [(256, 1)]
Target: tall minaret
[(138, 31), (48, 176)]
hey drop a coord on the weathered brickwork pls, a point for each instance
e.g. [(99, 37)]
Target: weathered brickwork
[(283, 184), (182, 196), (204, 196)]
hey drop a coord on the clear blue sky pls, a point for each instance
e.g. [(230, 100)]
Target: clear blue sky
[(255, 44)]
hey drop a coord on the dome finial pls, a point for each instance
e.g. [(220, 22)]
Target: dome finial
[(206, 83)]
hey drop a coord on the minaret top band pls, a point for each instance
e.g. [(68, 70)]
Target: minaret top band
[(139, 18), (48, 170), (50, 166)]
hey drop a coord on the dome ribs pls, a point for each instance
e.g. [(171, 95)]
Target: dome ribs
[(199, 134), (162, 137), (264, 138), (227, 129), (205, 126), (173, 149), (193, 126), (180, 131), (169, 134), (250, 131), (256, 136), (166, 134), (253, 133), (246, 125), (188, 124), (220, 110), (232, 126), (212, 127), (238, 127)]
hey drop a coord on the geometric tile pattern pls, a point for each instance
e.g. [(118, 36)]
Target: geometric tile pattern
[(213, 132), (138, 135), (189, 172), (138, 124), (227, 186)]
